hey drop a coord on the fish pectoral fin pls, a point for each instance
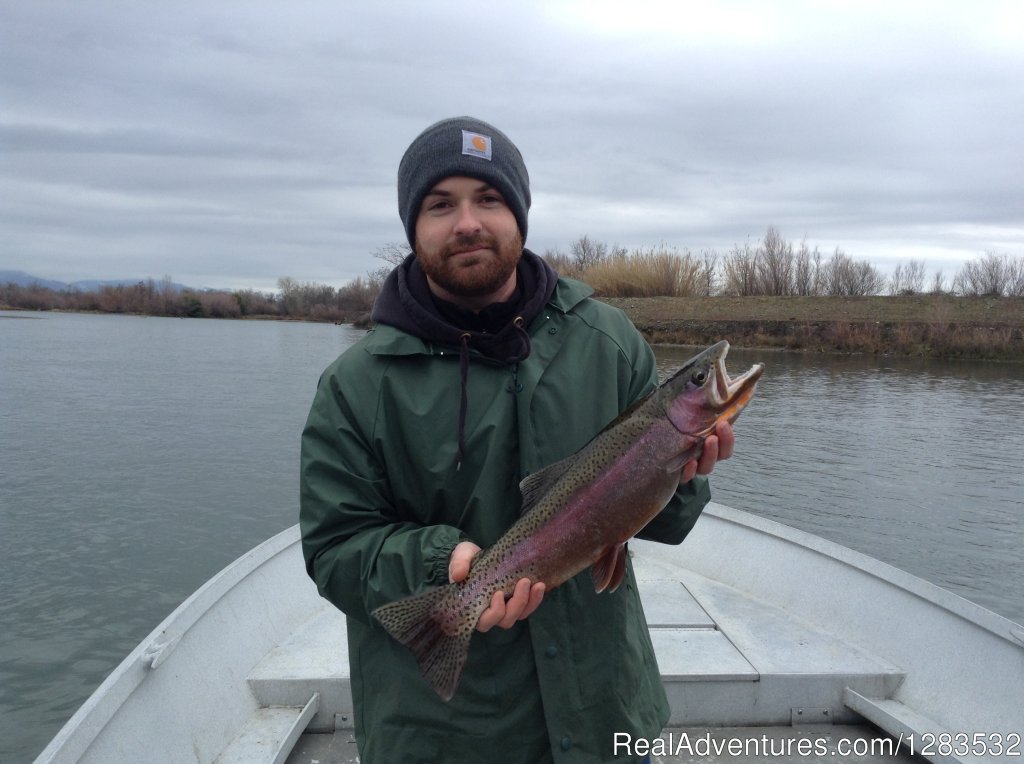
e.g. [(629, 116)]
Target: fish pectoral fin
[(692, 450), (610, 568)]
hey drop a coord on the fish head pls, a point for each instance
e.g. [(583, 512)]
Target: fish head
[(701, 393)]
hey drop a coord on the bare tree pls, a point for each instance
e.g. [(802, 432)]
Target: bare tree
[(586, 252), (740, 267), (357, 296), (289, 300), (916, 274), (708, 279), (1015, 277), (774, 264), (393, 253), (989, 275), (561, 262), (867, 279), (907, 279), (846, 277), (806, 268)]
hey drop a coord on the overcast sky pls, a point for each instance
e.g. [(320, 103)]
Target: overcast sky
[(228, 144)]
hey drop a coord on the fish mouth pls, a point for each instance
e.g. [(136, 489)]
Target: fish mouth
[(725, 395)]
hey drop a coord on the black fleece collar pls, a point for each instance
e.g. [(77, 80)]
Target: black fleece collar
[(407, 303)]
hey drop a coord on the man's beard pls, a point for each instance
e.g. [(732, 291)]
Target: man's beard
[(473, 279)]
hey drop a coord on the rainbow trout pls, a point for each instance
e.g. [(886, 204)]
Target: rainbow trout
[(579, 512)]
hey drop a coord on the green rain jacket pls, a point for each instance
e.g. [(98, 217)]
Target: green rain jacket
[(383, 505)]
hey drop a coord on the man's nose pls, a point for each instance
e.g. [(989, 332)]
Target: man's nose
[(466, 221)]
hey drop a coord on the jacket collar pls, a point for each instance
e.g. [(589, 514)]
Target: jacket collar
[(406, 304), (385, 339)]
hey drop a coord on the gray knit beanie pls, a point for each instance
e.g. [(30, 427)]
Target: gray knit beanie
[(461, 146)]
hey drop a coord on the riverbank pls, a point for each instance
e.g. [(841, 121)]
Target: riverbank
[(929, 326), (923, 326)]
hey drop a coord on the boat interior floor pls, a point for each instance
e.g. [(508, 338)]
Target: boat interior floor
[(742, 676)]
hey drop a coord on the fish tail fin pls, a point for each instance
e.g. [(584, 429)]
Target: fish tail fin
[(440, 654)]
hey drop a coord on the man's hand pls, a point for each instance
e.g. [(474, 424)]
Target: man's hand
[(501, 612), (716, 447)]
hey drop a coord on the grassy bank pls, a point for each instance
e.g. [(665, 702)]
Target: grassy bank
[(938, 326), (932, 325)]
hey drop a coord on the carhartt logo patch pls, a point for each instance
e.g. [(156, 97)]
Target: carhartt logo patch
[(476, 145)]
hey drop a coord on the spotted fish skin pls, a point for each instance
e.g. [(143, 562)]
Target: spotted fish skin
[(578, 512)]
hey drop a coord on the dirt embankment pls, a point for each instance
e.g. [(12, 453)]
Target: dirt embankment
[(939, 326)]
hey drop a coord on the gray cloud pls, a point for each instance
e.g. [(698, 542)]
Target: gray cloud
[(230, 144)]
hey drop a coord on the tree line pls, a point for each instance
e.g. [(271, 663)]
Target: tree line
[(772, 267), (308, 301)]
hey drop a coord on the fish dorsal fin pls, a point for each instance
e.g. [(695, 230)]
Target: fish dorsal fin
[(536, 485), (539, 483)]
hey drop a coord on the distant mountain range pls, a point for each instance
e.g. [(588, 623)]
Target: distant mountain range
[(90, 285)]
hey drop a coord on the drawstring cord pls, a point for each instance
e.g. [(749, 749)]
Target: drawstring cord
[(464, 402), (464, 339)]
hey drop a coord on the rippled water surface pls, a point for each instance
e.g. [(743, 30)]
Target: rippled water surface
[(917, 463), (138, 456)]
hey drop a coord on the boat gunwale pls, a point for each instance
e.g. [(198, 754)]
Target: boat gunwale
[(84, 726), (978, 615)]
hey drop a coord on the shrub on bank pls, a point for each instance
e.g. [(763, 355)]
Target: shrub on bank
[(648, 273)]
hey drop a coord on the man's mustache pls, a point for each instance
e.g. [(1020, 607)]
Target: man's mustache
[(475, 241)]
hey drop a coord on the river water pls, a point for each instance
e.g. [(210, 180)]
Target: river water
[(138, 456)]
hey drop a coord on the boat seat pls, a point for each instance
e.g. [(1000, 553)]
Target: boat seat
[(301, 686), (313, 660), (901, 721), (729, 659), (269, 735)]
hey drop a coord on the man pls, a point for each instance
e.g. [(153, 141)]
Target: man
[(484, 367)]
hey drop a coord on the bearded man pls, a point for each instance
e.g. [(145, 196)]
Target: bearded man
[(484, 367)]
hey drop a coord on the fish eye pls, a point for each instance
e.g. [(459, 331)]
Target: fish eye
[(699, 378)]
